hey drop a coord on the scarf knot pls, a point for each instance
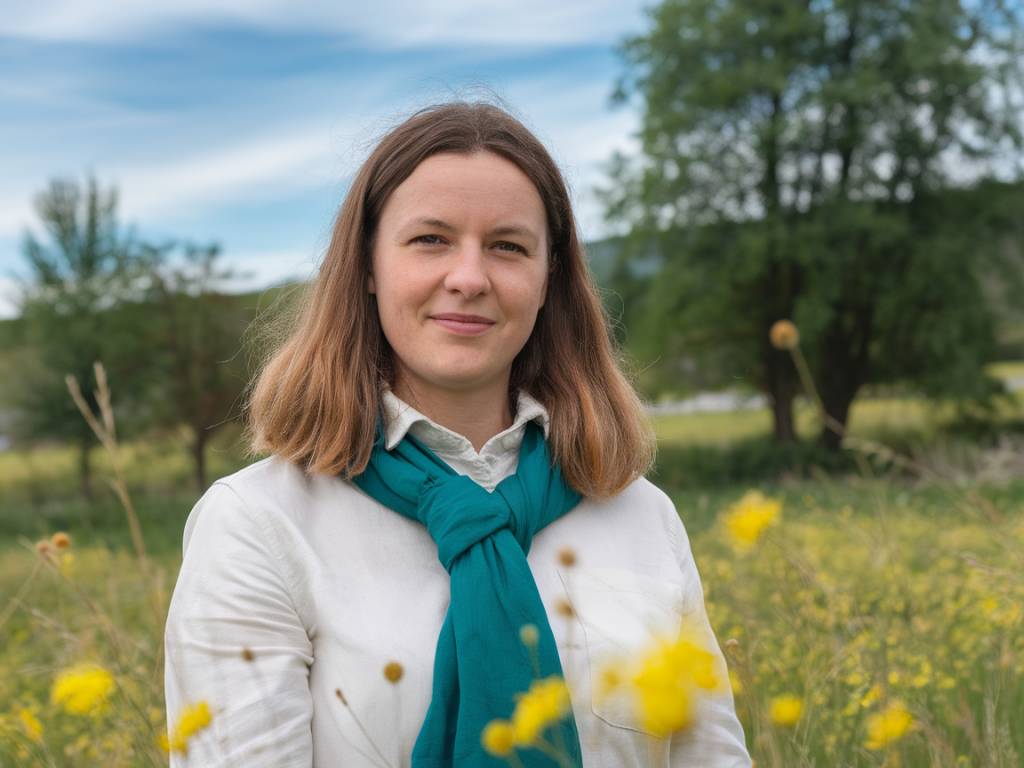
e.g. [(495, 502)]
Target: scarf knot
[(480, 515)]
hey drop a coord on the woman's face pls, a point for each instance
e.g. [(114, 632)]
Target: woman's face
[(460, 264)]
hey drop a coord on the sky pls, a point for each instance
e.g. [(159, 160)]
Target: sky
[(242, 121)]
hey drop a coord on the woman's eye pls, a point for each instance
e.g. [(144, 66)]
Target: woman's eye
[(428, 239), (505, 245)]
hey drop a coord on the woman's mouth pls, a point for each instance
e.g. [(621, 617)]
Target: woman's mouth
[(464, 325)]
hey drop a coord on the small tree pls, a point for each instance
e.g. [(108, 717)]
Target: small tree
[(194, 332), (74, 281)]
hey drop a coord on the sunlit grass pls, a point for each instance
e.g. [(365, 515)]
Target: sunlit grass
[(869, 591)]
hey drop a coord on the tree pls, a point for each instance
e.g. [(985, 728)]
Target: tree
[(74, 281), (194, 333), (801, 160)]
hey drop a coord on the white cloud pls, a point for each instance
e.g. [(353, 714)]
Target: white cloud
[(260, 269), (8, 291), (258, 168), (391, 24)]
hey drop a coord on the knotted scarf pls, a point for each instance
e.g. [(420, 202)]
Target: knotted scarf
[(482, 540)]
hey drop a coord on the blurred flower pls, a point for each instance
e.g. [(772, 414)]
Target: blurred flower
[(30, 724), (83, 689), (564, 608), (784, 335), (44, 548), (544, 704), (888, 726), (874, 694), (193, 719), (665, 682), (498, 738), (60, 540), (748, 519), (528, 634), (786, 710), (735, 683), (393, 671)]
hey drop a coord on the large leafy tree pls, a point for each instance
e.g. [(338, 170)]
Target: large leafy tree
[(835, 162), (77, 274)]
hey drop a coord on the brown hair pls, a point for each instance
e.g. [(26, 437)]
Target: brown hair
[(316, 400)]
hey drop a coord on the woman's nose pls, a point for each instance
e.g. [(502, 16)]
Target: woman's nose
[(468, 273)]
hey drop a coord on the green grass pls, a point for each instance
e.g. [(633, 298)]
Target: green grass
[(871, 572)]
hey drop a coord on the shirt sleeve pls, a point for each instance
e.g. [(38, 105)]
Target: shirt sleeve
[(716, 739), (235, 641)]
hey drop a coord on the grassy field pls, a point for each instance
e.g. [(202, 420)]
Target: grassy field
[(875, 590)]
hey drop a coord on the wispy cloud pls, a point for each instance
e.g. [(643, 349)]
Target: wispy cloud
[(392, 23)]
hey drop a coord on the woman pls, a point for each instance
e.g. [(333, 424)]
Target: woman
[(454, 455)]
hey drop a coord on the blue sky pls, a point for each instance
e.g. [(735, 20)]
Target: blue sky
[(242, 121)]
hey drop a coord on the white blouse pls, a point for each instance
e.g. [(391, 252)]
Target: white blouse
[(297, 591)]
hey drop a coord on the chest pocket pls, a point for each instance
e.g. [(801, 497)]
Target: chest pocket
[(621, 612)]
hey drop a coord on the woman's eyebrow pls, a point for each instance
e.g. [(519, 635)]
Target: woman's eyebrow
[(505, 229)]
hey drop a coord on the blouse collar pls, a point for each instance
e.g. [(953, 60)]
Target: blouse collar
[(400, 417)]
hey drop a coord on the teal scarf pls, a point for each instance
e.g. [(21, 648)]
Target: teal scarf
[(482, 541)]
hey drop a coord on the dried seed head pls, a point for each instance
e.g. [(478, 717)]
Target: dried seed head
[(393, 671), (44, 548), (528, 634), (784, 335)]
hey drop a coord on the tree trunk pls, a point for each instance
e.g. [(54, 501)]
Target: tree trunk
[(837, 398), (782, 420), (85, 468), (844, 356), (200, 435), (781, 391)]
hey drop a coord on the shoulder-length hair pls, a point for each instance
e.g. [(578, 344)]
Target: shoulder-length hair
[(316, 399)]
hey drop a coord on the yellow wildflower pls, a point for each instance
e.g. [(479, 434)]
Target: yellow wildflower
[(192, 720), (786, 710), (874, 694), (30, 724), (83, 689), (748, 519), (888, 726), (667, 680), (735, 683), (545, 703), (498, 738)]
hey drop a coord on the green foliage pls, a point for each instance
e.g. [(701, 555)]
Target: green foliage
[(197, 369), (85, 269), (831, 163)]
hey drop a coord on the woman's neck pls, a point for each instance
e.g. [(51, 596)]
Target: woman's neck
[(478, 415)]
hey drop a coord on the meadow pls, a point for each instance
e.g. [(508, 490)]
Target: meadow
[(871, 617)]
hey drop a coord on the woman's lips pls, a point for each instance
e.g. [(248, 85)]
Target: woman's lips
[(467, 326)]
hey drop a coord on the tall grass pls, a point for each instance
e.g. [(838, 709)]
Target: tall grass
[(893, 582)]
